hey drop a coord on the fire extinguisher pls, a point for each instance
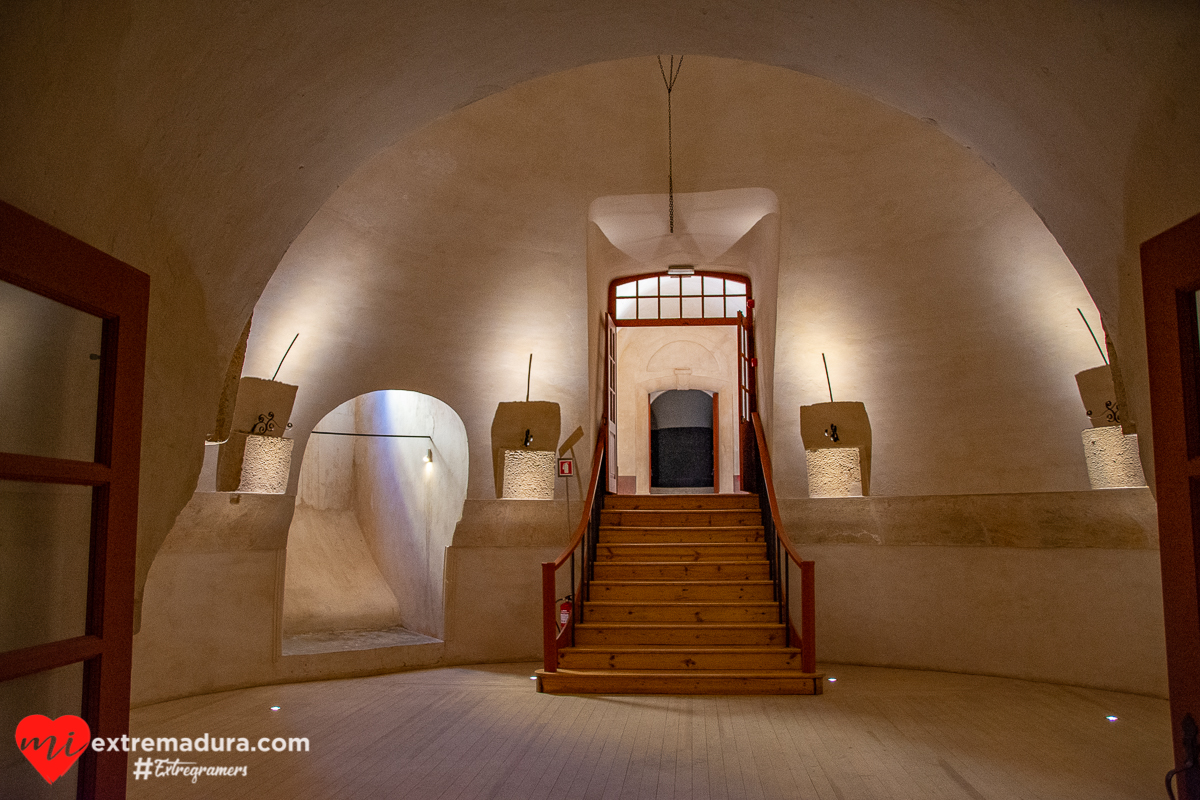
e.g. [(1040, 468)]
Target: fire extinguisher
[(564, 611)]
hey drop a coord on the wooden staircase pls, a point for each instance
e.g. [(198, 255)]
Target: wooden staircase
[(681, 602)]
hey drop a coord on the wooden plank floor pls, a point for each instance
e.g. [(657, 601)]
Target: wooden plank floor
[(463, 733)]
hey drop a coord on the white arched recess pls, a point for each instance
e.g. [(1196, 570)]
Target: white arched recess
[(375, 513)]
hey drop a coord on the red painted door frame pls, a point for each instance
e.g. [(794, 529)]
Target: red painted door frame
[(716, 443), (46, 261), (1170, 280), (610, 403)]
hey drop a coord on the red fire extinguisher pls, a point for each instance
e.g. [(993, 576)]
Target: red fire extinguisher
[(564, 612)]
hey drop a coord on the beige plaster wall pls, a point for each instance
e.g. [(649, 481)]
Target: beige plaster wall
[(223, 147), (183, 142), (408, 508), (1061, 587), (326, 480), (656, 359), (494, 580), (1085, 617), (939, 297), (1112, 519), (213, 618), (331, 580)]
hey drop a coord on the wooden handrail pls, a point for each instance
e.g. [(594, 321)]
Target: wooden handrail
[(808, 617), (552, 638), (597, 460), (765, 457)]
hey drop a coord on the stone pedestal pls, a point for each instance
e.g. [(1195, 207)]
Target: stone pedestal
[(834, 472), (1113, 461), (834, 426), (257, 464), (529, 474)]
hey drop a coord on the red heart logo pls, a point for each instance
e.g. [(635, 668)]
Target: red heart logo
[(53, 745)]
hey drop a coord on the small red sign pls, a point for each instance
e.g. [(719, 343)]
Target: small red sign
[(566, 467)]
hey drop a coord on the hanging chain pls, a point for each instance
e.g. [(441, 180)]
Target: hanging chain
[(669, 82)]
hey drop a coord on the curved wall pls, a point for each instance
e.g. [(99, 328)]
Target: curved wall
[(331, 580), (941, 299), (185, 143), (222, 142)]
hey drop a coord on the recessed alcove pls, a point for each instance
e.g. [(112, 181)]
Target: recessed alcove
[(380, 490)]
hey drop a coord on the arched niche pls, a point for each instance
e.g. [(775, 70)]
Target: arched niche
[(381, 489)]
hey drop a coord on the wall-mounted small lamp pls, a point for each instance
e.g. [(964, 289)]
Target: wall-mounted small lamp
[(681, 269), (528, 437), (428, 459)]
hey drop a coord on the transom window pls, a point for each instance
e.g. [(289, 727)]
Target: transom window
[(712, 298)]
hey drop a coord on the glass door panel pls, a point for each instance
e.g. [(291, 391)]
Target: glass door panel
[(52, 694), (45, 549), (49, 376)]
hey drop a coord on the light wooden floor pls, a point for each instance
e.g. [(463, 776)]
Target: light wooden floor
[(482, 732)]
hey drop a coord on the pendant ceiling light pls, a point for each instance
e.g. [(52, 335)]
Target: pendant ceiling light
[(669, 74)]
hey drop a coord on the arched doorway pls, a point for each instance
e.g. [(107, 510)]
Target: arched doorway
[(683, 424)]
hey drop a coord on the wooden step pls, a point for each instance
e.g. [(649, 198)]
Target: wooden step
[(721, 517), (680, 612), (680, 551), (649, 591), (680, 501), (772, 682), (679, 658), (701, 634), (680, 533), (678, 571)]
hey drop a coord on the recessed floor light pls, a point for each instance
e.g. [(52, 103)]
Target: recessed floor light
[(274, 708), (832, 680), (1111, 718)]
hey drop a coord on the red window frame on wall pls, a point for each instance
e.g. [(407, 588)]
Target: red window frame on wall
[(743, 318), (724, 319), (42, 259)]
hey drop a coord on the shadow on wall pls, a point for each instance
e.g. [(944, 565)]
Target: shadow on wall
[(366, 548)]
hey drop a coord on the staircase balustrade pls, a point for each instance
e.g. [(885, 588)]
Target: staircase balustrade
[(555, 633), (782, 554), (580, 557)]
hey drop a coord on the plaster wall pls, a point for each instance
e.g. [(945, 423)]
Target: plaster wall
[(331, 579), (655, 359), (1040, 586), (224, 146), (408, 508), (51, 380), (1085, 617), (939, 297), (1061, 587), (214, 617)]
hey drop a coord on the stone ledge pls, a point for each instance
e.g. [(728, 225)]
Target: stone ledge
[(1123, 519)]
